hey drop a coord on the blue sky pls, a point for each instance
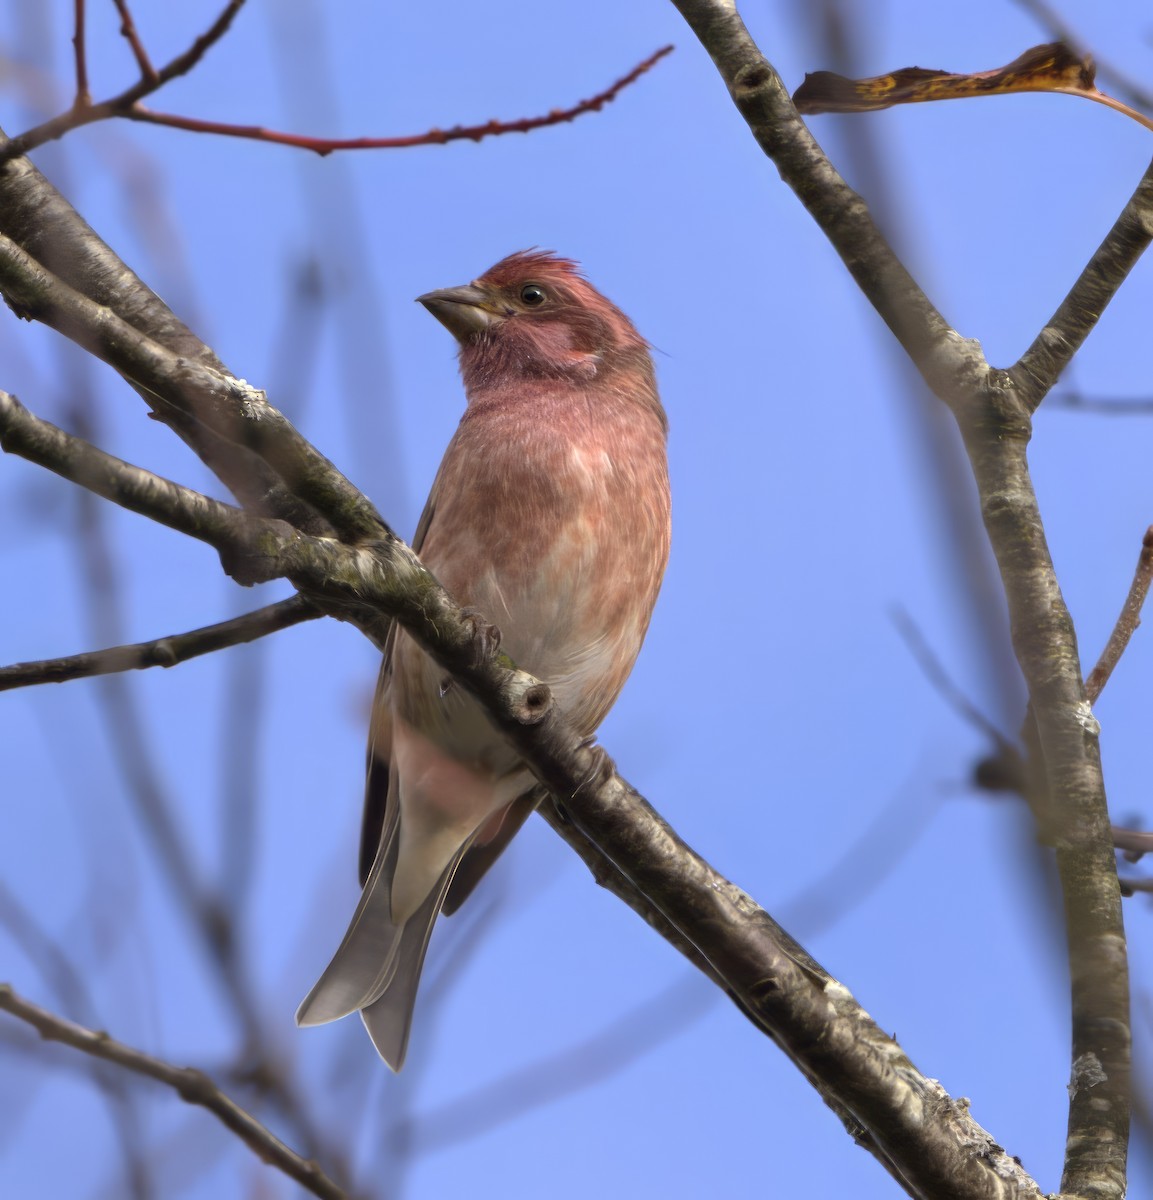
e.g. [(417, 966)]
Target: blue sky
[(776, 716)]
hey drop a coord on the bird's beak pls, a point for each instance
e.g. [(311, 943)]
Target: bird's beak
[(464, 311)]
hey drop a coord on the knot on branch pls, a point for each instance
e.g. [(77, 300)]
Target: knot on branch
[(533, 704), (255, 552)]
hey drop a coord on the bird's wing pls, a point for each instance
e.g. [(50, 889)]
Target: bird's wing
[(376, 789)]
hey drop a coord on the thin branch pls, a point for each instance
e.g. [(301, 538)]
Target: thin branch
[(148, 72), (127, 105), (942, 682), (1127, 621), (90, 113), (432, 137), (83, 95), (191, 1085), (1041, 365), (161, 652)]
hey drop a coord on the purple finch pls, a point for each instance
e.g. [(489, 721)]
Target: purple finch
[(549, 515)]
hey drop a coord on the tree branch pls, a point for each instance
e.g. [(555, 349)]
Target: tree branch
[(432, 137), (1040, 366), (993, 410), (1127, 621), (229, 407), (909, 1122), (191, 1085), (42, 223), (161, 652)]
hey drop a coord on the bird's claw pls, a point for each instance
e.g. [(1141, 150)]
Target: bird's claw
[(485, 635)]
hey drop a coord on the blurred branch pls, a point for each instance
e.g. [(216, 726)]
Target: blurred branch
[(1050, 19), (993, 410), (1127, 621), (68, 984), (1077, 402), (191, 1085), (162, 652)]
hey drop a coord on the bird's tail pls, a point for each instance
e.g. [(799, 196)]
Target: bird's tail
[(377, 966)]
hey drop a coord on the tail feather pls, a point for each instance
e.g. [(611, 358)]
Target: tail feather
[(388, 1018), (365, 962), (377, 966)]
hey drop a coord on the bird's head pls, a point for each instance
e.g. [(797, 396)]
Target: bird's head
[(534, 314)]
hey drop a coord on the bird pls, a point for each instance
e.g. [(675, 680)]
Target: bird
[(550, 515)]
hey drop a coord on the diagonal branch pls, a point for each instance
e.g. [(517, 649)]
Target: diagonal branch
[(1053, 348), (908, 1121), (1127, 621), (186, 390), (191, 1085), (161, 652), (993, 411)]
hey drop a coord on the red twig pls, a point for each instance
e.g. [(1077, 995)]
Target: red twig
[(120, 106), (1127, 621), (128, 31), (126, 105), (83, 95)]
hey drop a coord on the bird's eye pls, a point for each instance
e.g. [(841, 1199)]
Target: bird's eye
[(532, 294)]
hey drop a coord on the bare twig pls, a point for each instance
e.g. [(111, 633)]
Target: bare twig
[(148, 72), (1127, 621), (83, 96), (431, 137), (162, 652), (127, 105), (191, 1085)]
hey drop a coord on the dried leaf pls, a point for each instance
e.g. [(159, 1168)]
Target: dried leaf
[(1050, 68)]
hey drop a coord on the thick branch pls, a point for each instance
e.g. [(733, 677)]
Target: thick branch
[(229, 407), (39, 220), (190, 1085), (993, 411)]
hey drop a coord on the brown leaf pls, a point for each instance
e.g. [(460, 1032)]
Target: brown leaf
[(1049, 68)]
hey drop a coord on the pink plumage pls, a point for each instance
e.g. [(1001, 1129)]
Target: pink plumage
[(549, 515)]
